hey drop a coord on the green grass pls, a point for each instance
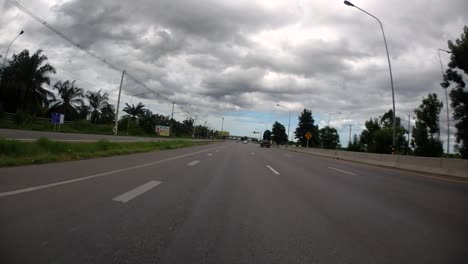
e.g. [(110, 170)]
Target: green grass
[(81, 126), (43, 150)]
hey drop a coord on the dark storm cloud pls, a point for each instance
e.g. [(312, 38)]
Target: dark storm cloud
[(218, 56)]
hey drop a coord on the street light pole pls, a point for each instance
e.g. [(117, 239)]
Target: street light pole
[(389, 67), (172, 118), (222, 126), (409, 132), (289, 122), (446, 100), (8, 49)]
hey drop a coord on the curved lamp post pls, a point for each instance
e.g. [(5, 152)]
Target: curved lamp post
[(446, 100), (8, 49), (348, 3)]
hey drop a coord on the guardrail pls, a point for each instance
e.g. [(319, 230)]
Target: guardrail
[(444, 166)]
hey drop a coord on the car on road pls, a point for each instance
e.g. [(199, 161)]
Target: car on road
[(265, 143), (245, 141)]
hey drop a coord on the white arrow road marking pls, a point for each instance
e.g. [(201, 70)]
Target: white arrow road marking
[(136, 192)]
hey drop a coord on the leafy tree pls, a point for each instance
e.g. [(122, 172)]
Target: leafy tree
[(97, 102), (71, 97), (329, 137), (201, 131), (306, 124), (267, 135), (458, 95), (367, 138), (427, 125), (134, 111), (21, 85), (378, 135), (355, 145), (279, 133)]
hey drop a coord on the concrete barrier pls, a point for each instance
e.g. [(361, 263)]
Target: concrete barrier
[(444, 166)]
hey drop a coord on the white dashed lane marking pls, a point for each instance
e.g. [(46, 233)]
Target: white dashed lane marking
[(273, 170), (331, 168), (193, 163), (136, 192)]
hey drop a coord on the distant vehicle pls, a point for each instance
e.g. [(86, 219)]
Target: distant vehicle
[(265, 143), (237, 140), (245, 141)]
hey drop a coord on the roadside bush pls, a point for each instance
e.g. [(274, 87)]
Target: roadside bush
[(2, 111), (103, 145), (52, 146), (22, 118)]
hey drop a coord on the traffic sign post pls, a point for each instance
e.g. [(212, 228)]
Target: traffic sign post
[(308, 135)]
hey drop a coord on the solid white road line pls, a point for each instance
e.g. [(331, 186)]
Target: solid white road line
[(78, 140), (342, 171), (252, 153), (30, 189), (273, 170), (217, 150), (136, 192), (193, 163), (210, 154)]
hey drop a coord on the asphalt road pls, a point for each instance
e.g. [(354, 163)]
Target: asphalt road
[(229, 203), (29, 135)]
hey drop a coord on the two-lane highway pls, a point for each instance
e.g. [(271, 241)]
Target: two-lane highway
[(229, 203)]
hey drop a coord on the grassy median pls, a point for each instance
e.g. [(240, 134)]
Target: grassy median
[(43, 150)]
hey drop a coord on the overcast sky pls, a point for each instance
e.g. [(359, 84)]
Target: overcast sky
[(238, 59)]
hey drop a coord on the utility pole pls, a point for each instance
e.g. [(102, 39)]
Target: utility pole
[(172, 117), (194, 122), (116, 126), (349, 142)]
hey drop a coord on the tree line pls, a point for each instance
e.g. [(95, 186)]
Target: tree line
[(377, 136), (22, 92)]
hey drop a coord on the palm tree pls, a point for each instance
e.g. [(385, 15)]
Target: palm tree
[(83, 111), (22, 81), (71, 97), (107, 114), (97, 102), (134, 111)]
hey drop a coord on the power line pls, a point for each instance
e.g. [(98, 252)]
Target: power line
[(76, 44), (56, 31)]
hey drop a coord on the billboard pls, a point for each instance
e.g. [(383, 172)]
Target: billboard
[(163, 131), (224, 133)]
